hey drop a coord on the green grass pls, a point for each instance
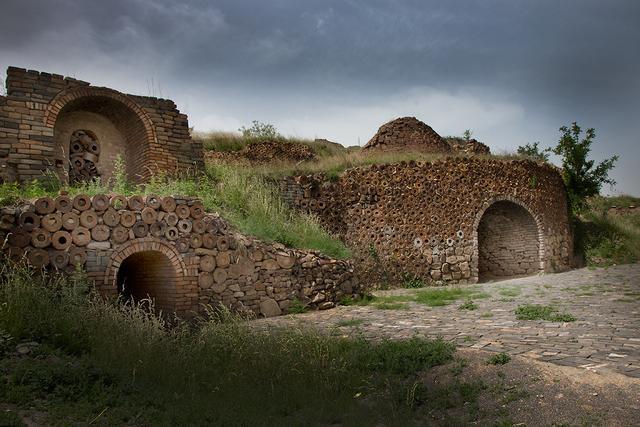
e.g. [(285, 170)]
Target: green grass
[(232, 141), (251, 203), (445, 296), (296, 307), (542, 312), (604, 239), (468, 305), (499, 359), (510, 292), (391, 306), (118, 364), (486, 315)]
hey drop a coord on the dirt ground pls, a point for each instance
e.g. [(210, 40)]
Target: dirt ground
[(526, 392)]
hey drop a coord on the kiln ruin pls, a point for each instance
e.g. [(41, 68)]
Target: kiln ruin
[(51, 123), (462, 218)]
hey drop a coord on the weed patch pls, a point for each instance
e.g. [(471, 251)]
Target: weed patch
[(542, 312), (445, 296), (499, 359), (468, 305)]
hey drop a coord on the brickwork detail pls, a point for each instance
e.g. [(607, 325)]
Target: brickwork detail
[(508, 243), (172, 250), (39, 109), (422, 218)]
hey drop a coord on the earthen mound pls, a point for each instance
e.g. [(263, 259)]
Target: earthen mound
[(408, 133)]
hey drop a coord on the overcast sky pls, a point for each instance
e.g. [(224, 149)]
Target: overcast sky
[(511, 71)]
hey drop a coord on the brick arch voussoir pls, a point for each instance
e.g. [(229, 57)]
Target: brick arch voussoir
[(142, 245), (63, 98), (516, 201)]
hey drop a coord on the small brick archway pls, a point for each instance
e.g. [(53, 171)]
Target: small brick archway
[(121, 125), (508, 240), (152, 268)]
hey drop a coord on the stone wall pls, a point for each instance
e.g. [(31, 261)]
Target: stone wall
[(426, 219), (42, 110), (171, 249)]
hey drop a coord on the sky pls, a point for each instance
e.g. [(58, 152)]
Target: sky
[(511, 71)]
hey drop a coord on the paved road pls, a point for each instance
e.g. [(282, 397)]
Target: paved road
[(605, 336)]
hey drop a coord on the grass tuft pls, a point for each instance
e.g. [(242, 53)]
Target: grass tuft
[(542, 312), (499, 359)]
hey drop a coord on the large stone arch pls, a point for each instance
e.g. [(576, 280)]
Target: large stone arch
[(508, 240), (157, 270), (121, 125)]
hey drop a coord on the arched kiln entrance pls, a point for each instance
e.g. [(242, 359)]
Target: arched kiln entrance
[(508, 242), (148, 274), (92, 126)]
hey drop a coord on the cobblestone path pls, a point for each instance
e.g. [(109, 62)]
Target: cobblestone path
[(605, 335)]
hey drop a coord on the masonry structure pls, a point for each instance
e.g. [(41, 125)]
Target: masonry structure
[(455, 220), (169, 249), (50, 123)]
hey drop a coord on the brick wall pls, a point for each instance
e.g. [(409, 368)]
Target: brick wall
[(155, 133), (423, 218), (172, 250), (508, 242)]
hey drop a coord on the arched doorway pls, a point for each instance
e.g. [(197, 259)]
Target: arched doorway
[(508, 242), (149, 274), (113, 119)]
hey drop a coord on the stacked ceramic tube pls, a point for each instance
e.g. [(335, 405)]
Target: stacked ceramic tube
[(265, 152), (84, 150), (57, 232), (420, 218)]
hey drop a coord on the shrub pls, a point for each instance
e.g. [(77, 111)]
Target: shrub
[(499, 359), (533, 151), (581, 178)]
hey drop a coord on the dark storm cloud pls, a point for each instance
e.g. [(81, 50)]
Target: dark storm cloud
[(514, 70)]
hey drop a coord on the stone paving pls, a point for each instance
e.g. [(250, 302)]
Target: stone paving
[(604, 337)]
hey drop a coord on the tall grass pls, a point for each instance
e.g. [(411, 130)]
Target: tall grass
[(231, 141), (96, 355), (608, 239)]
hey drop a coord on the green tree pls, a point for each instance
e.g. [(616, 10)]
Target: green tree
[(467, 135), (532, 150), (259, 130), (582, 177)]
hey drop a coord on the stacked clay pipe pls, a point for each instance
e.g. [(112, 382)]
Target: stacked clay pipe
[(420, 218), (84, 151), (57, 232), (265, 152)]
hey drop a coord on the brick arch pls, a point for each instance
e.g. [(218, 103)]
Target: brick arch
[(173, 288), (481, 213), (57, 104)]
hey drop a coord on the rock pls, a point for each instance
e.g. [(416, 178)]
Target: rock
[(285, 261), (326, 305), (270, 308), (270, 264)]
